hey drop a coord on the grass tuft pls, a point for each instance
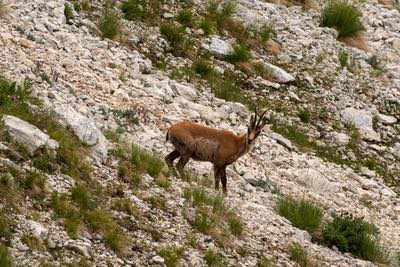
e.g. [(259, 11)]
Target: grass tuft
[(134, 9), (172, 255), (185, 17), (109, 23), (301, 213), (240, 53), (344, 17), (5, 258), (354, 235), (214, 259), (299, 255)]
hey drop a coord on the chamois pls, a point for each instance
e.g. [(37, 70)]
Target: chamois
[(220, 147)]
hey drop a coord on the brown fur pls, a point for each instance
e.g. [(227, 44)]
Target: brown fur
[(201, 143)]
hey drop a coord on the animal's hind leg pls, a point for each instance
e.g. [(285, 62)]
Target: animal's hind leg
[(184, 159), (169, 159), (223, 179), (217, 177)]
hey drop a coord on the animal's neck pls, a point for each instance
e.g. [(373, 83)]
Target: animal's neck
[(243, 145)]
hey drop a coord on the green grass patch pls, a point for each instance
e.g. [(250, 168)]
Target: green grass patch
[(299, 255), (109, 23), (354, 235), (172, 255), (214, 259), (68, 13), (302, 214), (240, 53), (134, 9), (185, 17), (342, 16), (5, 258), (304, 115)]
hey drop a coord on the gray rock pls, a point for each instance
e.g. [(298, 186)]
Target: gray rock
[(341, 139), (217, 46), (85, 129), (279, 75), (31, 137), (362, 120), (37, 229), (283, 141), (158, 259), (386, 119), (396, 150)]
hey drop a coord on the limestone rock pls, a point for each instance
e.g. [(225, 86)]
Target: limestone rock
[(31, 137), (362, 120), (217, 46)]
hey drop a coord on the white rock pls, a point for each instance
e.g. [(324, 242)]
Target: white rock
[(279, 75), (283, 141), (341, 138), (85, 129), (27, 134), (362, 120), (396, 150), (158, 259), (386, 119), (37, 229), (217, 46)]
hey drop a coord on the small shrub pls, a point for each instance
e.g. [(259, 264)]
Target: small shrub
[(236, 226), (214, 259), (175, 36), (342, 16), (5, 258), (203, 68), (134, 9), (221, 15), (124, 205), (5, 226), (354, 235), (302, 214), (304, 115), (109, 23), (68, 13), (240, 53), (266, 33), (32, 242), (82, 197), (149, 161), (264, 262), (163, 182), (343, 58), (207, 26), (99, 220), (185, 17), (299, 255), (171, 255), (203, 222), (115, 240), (34, 182)]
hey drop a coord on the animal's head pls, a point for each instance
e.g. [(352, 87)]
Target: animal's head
[(257, 123)]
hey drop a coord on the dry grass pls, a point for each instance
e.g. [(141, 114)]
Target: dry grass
[(3, 8), (356, 41)]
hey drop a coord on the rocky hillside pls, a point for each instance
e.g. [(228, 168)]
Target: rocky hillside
[(88, 89)]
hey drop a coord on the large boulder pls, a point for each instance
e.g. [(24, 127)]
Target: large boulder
[(362, 120), (28, 135)]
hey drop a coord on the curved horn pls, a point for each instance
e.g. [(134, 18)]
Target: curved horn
[(261, 119)]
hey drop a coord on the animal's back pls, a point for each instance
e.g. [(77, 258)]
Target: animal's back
[(200, 141)]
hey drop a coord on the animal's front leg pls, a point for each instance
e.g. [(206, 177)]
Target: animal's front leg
[(181, 165)]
